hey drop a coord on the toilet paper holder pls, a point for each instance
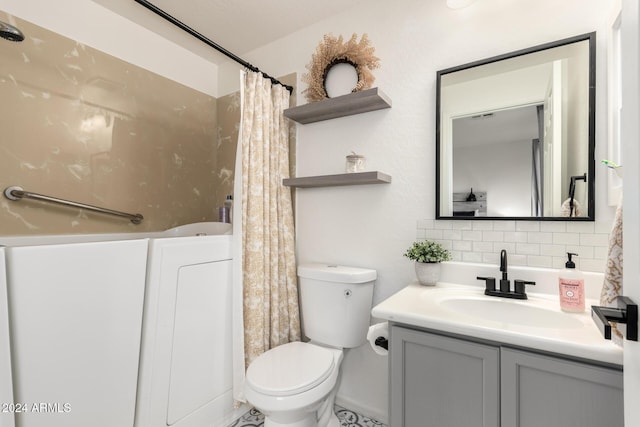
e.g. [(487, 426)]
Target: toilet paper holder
[(382, 342), (378, 337)]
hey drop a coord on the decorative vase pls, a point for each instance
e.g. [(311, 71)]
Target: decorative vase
[(428, 273)]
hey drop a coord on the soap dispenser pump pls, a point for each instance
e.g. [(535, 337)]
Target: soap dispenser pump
[(571, 287)]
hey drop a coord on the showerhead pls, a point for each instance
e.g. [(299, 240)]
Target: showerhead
[(11, 33)]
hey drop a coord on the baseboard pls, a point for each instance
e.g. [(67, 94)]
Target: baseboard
[(361, 409)]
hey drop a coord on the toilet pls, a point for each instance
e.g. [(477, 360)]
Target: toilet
[(295, 384)]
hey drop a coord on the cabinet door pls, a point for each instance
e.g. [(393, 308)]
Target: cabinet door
[(546, 391), (439, 381)]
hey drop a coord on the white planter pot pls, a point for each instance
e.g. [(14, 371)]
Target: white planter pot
[(428, 273)]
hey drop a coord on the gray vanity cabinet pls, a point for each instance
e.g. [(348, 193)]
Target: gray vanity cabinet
[(443, 381), (438, 381), (539, 390)]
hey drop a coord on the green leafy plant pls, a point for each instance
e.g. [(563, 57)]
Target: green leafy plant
[(427, 251)]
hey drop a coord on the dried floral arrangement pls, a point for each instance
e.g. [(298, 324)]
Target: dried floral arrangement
[(331, 51)]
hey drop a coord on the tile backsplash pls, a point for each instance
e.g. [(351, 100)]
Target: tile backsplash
[(528, 243)]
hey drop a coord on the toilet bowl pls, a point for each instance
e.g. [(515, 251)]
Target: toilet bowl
[(294, 385)]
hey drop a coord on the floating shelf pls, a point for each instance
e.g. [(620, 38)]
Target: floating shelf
[(358, 178), (345, 105)]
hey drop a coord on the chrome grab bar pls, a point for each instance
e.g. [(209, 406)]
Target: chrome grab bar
[(17, 193)]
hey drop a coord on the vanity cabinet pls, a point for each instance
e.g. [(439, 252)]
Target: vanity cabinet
[(444, 381), (439, 381), (541, 390)]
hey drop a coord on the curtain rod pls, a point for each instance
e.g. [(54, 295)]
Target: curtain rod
[(209, 42)]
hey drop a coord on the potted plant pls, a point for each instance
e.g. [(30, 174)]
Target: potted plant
[(427, 256)]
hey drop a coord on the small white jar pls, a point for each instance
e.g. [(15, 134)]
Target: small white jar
[(355, 163)]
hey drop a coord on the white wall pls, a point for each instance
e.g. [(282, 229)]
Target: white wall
[(505, 197), (629, 136), (371, 226), (98, 27)]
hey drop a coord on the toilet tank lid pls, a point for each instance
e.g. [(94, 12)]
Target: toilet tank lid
[(336, 273)]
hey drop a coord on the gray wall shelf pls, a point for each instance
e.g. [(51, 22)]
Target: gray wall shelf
[(345, 105), (358, 178)]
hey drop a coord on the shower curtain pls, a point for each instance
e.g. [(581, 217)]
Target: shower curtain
[(270, 313)]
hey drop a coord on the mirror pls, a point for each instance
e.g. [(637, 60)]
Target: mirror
[(515, 135)]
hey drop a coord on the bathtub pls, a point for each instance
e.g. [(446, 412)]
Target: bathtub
[(198, 228), (186, 359), (117, 329)]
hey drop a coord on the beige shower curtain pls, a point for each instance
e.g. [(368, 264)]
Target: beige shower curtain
[(270, 293)]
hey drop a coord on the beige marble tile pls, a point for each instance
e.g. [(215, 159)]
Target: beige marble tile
[(82, 125)]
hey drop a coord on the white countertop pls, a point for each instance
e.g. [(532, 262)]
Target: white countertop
[(463, 310)]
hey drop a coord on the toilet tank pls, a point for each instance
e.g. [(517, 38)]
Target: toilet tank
[(336, 303)]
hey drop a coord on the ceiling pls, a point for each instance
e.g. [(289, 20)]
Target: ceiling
[(513, 125), (239, 26)]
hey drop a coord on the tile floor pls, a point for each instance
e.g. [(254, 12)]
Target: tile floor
[(347, 418)]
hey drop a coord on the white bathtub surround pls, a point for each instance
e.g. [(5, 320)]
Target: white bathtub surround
[(529, 243), (271, 313), (75, 323), (90, 311), (6, 382), (185, 368), (198, 228)]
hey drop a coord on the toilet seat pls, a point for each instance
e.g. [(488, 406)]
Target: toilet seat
[(290, 369)]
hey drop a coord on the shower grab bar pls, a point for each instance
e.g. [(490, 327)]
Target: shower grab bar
[(17, 193)]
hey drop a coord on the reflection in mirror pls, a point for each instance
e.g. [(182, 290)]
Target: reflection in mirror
[(515, 135)]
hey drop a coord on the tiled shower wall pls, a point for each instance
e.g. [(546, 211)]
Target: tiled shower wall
[(82, 125), (528, 243)]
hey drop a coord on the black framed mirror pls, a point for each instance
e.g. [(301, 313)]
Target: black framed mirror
[(515, 135)]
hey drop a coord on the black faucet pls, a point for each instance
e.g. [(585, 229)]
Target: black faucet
[(505, 285)]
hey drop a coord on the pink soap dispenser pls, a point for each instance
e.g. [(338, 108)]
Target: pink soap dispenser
[(571, 283)]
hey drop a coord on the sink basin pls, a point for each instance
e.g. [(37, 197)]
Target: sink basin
[(509, 312)]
